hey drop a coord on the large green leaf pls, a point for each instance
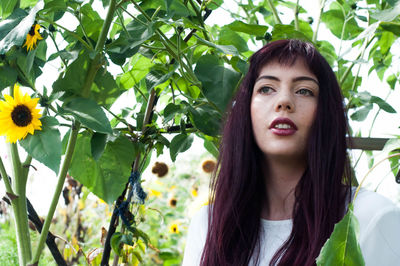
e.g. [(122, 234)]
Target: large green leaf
[(74, 78), (219, 83), (226, 49), (180, 143), (104, 89), (230, 37), (7, 7), (335, 21), (382, 104), (89, 113), (106, 177), (8, 76), (176, 8), (18, 33), (362, 113), (45, 145), (342, 248), (11, 22), (281, 31), (140, 67), (388, 15), (206, 119), (252, 29)]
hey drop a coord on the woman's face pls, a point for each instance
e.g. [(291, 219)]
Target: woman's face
[(283, 108)]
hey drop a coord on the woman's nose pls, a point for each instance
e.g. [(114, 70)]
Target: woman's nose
[(285, 103)]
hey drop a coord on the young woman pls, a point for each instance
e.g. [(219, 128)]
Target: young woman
[(284, 179)]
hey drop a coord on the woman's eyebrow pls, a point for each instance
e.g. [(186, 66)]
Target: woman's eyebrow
[(305, 78), (300, 78)]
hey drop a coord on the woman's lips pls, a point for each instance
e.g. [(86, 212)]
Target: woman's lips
[(282, 126)]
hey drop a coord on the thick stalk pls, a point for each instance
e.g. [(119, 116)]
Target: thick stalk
[(274, 12), (61, 179), (94, 66), (296, 16), (5, 177), (19, 207), (314, 37)]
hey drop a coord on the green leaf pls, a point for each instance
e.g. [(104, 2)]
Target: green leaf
[(11, 22), (180, 143), (251, 29), (18, 33), (74, 78), (211, 147), (140, 67), (206, 119), (115, 243), (334, 21), (287, 32), (229, 37), (383, 105), (171, 110), (89, 113), (218, 82), (106, 177), (362, 113), (226, 49), (105, 89), (8, 76), (98, 143), (138, 32), (212, 5), (393, 27), (389, 14), (176, 8), (342, 248), (7, 7), (45, 145), (157, 76)]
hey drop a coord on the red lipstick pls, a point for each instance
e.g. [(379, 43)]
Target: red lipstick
[(282, 126)]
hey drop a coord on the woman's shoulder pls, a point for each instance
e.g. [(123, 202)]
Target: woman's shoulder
[(371, 202), (379, 231)]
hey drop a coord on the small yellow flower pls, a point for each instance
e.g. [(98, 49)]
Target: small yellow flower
[(19, 116), (32, 37), (173, 228), (195, 192), (155, 193)]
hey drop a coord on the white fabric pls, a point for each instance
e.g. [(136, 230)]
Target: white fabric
[(379, 232)]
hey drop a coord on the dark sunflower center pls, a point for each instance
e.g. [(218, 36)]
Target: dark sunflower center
[(32, 30), (21, 115)]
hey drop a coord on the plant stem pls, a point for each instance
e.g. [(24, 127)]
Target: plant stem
[(19, 208), (90, 75), (61, 179), (296, 16), (314, 38), (274, 12), (5, 177), (369, 171)]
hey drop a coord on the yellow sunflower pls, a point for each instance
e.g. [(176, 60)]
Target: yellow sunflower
[(18, 116), (173, 228), (32, 37)]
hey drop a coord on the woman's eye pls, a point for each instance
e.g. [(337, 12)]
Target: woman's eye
[(265, 89), (305, 92)]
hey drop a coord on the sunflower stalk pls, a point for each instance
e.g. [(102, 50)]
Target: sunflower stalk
[(18, 204), (90, 75), (61, 179)]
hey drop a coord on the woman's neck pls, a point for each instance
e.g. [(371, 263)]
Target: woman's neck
[(281, 178)]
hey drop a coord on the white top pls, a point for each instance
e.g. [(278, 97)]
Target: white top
[(379, 232)]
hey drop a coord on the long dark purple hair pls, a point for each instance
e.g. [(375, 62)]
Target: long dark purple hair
[(238, 188)]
